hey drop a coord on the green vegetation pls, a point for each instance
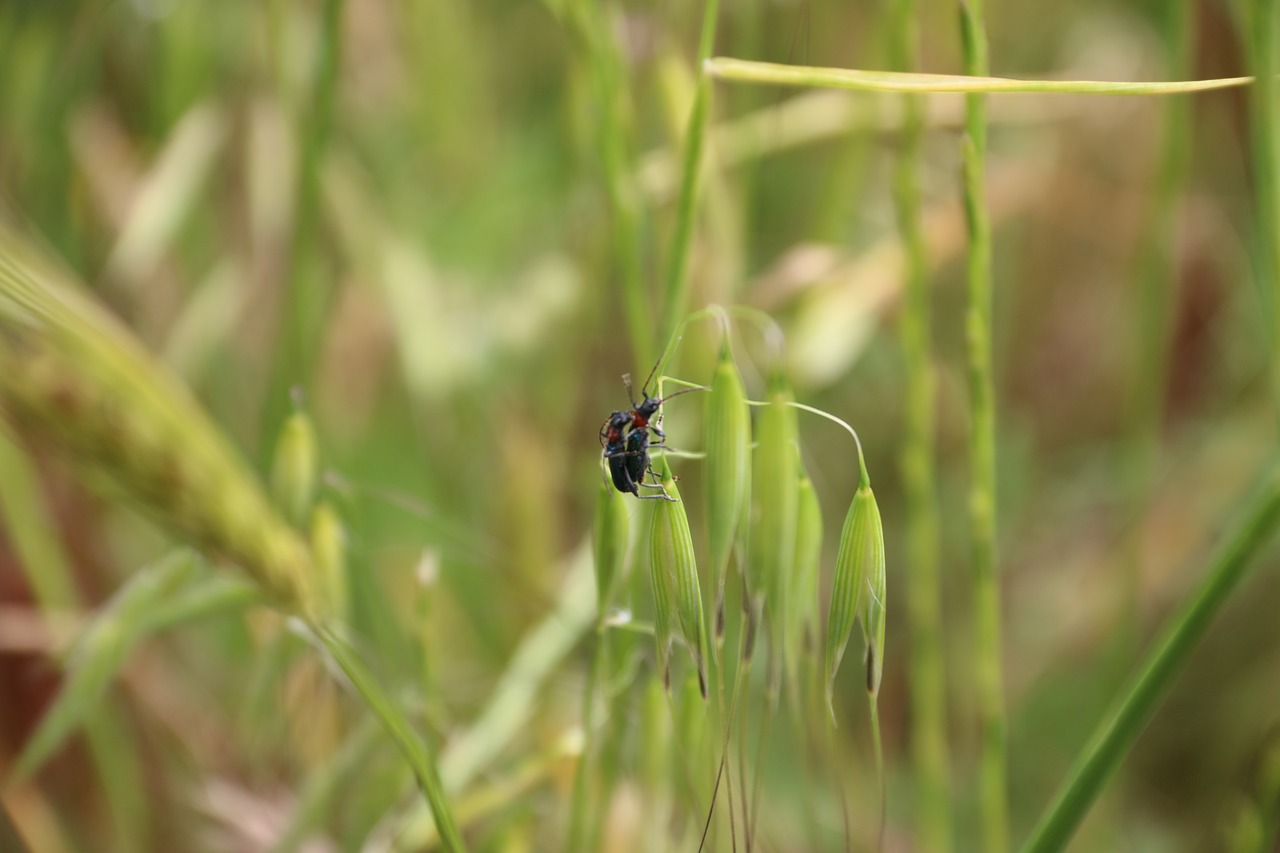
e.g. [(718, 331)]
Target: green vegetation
[(308, 315)]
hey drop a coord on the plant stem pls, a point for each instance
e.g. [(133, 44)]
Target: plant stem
[(989, 686), (677, 282), (928, 733), (1153, 299), (413, 747), (305, 299), (609, 81), (1112, 740), (584, 794), (877, 745), (774, 74), (1265, 45)]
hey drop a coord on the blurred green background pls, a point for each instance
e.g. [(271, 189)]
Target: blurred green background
[(401, 210)]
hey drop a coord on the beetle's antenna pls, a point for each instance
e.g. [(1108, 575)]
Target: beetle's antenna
[(644, 389)]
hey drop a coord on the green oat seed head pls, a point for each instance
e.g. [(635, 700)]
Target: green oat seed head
[(728, 461), (803, 630), (674, 572), (609, 543), (859, 561), (775, 499), (874, 601), (329, 553), (294, 467)]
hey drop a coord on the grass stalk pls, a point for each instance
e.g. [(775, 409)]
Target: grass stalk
[(586, 800), (1259, 515), (989, 675), (877, 745), (1264, 48), (927, 678), (774, 74), (608, 79), (677, 279), (305, 298), (1152, 308), (411, 745)]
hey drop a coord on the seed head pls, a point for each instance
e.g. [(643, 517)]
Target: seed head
[(859, 562), (674, 570), (728, 462), (293, 470)]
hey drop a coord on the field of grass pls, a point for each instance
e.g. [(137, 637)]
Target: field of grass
[(311, 311)]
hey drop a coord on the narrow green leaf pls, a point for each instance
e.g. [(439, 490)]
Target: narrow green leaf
[(100, 652), (401, 731), (1114, 736), (770, 73)]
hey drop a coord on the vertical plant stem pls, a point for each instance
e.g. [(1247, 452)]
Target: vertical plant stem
[(982, 447), (585, 795), (606, 67), (1152, 308), (1113, 739), (878, 746), (306, 298), (412, 746), (677, 281), (924, 611), (1265, 45)]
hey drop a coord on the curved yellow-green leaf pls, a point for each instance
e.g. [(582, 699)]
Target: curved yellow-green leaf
[(774, 74)]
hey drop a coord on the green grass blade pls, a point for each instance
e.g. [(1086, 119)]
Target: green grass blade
[(677, 284), (401, 731), (308, 289), (1111, 742), (47, 571), (100, 652), (1264, 47), (774, 74), (168, 196)]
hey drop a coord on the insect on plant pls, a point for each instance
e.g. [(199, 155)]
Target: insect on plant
[(625, 438)]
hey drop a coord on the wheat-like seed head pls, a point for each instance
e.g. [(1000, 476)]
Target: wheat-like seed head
[(74, 377)]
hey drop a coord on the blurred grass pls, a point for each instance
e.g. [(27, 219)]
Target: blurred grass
[(466, 220)]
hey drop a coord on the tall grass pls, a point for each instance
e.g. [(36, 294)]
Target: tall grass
[(452, 227), (988, 667), (924, 605)]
